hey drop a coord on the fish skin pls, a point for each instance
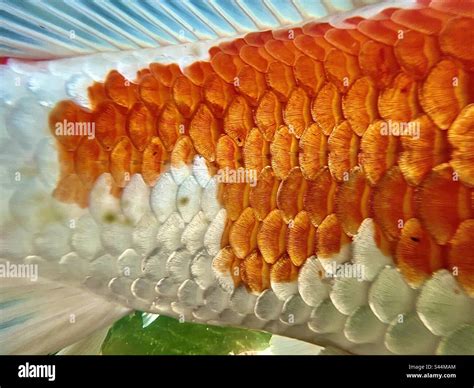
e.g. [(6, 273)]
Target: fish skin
[(203, 266)]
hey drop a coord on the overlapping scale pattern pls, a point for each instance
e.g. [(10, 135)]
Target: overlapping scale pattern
[(347, 147), (266, 105)]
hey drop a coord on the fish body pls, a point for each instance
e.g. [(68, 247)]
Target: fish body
[(313, 181)]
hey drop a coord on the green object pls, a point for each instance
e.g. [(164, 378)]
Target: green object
[(169, 336)]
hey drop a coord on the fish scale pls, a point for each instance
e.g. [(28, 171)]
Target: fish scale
[(158, 229)]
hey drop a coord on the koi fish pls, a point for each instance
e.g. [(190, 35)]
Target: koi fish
[(312, 180)]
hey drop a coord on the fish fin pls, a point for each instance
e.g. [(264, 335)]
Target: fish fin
[(89, 346), (44, 317), (148, 319), (333, 351), (198, 21), (285, 346)]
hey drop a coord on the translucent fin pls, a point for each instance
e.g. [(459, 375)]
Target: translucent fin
[(285, 346), (89, 346), (43, 317), (45, 29)]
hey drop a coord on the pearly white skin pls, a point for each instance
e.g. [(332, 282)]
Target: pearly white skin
[(154, 254)]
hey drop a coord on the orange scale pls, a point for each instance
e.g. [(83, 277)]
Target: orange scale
[(378, 61), (461, 255), (66, 160), (318, 200), (90, 161), (153, 93), (452, 40), (140, 126), (198, 71), (256, 152), (417, 53), (353, 20), (226, 66), (316, 28), (110, 124), (378, 151), (283, 271), (386, 13), (170, 125), (235, 198), (268, 115), (445, 92), (70, 189), (255, 273), (257, 57), (263, 194), (326, 108), (251, 84), (359, 105), (154, 159), (213, 51), (330, 238), (282, 51), (341, 69), (228, 153), (183, 152), (65, 113), (238, 120), (291, 194), (343, 145), (165, 74), (309, 74), (186, 96), (346, 40), (417, 255), (232, 47), (243, 233), (352, 202), (204, 131), (383, 31), (284, 152), (386, 245), (226, 232), (286, 34), (227, 263), (96, 94), (424, 20), (399, 101), (120, 90), (271, 237), (301, 239), (461, 139), (280, 78), (313, 151), (465, 8), (297, 115), (392, 203), (120, 161), (141, 73), (314, 47), (218, 94), (422, 152), (137, 160), (258, 39), (443, 202)]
